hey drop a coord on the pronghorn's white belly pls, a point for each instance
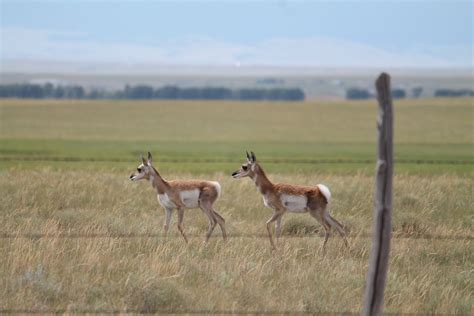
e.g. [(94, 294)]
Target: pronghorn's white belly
[(165, 201), (190, 198), (294, 203)]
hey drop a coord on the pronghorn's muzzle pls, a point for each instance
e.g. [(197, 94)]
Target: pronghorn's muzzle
[(235, 174), (132, 177)]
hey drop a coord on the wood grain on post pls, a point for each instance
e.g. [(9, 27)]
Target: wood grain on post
[(382, 227)]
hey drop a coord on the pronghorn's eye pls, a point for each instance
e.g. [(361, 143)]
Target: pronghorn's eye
[(244, 167), (139, 170)]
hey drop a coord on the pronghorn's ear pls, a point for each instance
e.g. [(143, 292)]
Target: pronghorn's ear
[(145, 163), (150, 158), (248, 156), (253, 156)]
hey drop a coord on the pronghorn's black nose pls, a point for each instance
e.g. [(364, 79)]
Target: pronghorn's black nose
[(235, 173), (131, 176)]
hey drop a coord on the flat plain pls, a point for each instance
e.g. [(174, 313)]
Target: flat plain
[(78, 236)]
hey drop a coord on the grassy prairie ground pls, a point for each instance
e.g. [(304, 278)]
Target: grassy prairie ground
[(77, 235), (104, 249)]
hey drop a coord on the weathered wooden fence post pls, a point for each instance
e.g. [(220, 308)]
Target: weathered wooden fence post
[(382, 227)]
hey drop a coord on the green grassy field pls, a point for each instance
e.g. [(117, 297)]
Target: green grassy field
[(78, 236), (430, 135)]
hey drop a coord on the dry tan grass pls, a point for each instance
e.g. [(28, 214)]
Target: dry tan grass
[(143, 273)]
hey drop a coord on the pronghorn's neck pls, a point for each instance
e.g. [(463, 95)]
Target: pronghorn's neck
[(261, 180), (158, 182)]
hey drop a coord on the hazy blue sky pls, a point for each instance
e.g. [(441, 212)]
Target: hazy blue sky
[(312, 33)]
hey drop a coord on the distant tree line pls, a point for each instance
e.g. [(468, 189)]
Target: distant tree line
[(36, 91), (361, 94), (454, 93), (358, 94), (144, 92)]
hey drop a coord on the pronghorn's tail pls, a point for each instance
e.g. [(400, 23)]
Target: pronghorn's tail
[(336, 225), (217, 186), (325, 192), (218, 189)]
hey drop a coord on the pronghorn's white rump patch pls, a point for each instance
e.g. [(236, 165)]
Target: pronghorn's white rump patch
[(325, 191), (165, 201), (217, 186), (294, 203), (190, 198)]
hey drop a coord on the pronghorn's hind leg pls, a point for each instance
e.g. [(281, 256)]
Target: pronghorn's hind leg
[(206, 200), (221, 221), (327, 227), (338, 226), (205, 207)]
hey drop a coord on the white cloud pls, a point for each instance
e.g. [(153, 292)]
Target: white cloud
[(22, 43)]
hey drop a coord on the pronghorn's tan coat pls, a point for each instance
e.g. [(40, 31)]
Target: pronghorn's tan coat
[(182, 194), (283, 198)]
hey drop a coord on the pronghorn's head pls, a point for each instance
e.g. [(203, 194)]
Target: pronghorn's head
[(248, 168), (144, 169)]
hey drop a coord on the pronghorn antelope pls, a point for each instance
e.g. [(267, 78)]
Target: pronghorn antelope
[(182, 194), (292, 198)]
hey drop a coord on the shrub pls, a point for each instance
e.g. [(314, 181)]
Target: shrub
[(357, 94)]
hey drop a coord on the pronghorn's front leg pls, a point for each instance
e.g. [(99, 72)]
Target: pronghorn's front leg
[(276, 215), (278, 227), (180, 223), (166, 226)]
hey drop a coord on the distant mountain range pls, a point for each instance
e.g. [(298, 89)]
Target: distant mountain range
[(92, 68)]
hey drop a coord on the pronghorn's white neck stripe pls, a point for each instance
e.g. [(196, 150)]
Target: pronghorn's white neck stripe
[(255, 179)]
